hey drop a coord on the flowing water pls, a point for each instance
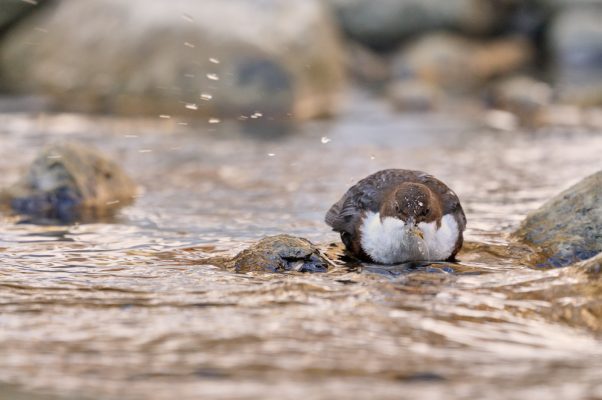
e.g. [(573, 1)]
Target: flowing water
[(128, 310)]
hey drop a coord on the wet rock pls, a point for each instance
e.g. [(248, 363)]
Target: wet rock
[(278, 254), (575, 40), (183, 57), (413, 95), (384, 23), (70, 182), (568, 228), (523, 96), (459, 64)]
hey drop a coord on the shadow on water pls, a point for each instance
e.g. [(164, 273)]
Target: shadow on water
[(129, 310)]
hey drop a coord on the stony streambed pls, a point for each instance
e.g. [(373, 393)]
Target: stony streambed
[(127, 309)]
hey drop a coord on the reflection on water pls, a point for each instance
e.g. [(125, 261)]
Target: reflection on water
[(128, 310)]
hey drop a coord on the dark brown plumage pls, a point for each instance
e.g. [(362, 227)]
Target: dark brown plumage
[(410, 196)]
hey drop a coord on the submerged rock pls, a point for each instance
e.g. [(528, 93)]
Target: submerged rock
[(568, 228), (459, 64), (210, 58), (70, 182), (278, 254)]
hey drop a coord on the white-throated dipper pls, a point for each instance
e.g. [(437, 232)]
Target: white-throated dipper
[(397, 215)]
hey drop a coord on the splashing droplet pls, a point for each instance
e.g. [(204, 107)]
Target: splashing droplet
[(213, 77), (206, 96), (271, 154), (187, 17), (214, 60), (325, 140), (192, 106), (188, 44), (214, 120), (165, 116)]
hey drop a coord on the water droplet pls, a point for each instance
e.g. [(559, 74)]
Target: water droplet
[(192, 106), (188, 44), (214, 60), (213, 77), (165, 116), (372, 157), (214, 120), (206, 96), (325, 139), (187, 17), (271, 154), (145, 151)]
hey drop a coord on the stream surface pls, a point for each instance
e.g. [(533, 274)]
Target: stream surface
[(127, 310)]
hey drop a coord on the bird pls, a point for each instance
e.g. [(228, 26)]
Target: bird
[(396, 216)]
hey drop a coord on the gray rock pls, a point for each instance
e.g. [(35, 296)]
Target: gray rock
[(459, 64), (277, 254), (183, 57), (568, 228), (575, 40), (70, 182), (384, 23)]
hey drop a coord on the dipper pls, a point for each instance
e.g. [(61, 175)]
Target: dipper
[(396, 215)]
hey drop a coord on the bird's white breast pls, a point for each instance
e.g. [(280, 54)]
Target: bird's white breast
[(391, 241)]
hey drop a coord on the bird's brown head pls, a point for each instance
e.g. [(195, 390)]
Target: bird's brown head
[(412, 202)]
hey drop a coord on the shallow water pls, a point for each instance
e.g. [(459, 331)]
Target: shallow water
[(127, 310)]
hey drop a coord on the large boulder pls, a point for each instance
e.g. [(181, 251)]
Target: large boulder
[(568, 228), (278, 253), (459, 64), (70, 182), (212, 58), (575, 41), (384, 23)]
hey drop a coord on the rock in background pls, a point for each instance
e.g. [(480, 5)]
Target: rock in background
[(575, 41), (210, 58), (385, 23)]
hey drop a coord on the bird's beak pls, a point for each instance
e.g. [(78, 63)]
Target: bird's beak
[(416, 231)]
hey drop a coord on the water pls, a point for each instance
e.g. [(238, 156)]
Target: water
[(128, 310)]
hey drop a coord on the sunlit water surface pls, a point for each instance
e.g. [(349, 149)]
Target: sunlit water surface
[(127, 310)]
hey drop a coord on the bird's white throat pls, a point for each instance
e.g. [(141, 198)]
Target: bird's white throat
[(391, 241)]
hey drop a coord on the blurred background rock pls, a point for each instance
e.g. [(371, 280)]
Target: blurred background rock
[(292, 60)]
